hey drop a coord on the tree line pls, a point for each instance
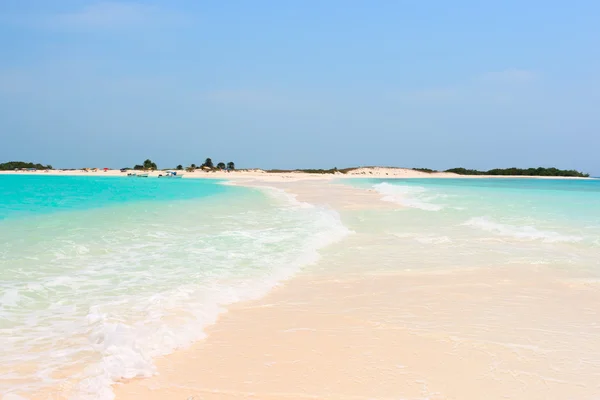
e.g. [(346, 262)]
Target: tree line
[(521, 172), (12, 165), (208, 163)]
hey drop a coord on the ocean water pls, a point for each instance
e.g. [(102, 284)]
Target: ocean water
[(101, 275), (472, 223)]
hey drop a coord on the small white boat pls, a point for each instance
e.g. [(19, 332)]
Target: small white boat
[(171, 174), (142, 175), (131, 174)]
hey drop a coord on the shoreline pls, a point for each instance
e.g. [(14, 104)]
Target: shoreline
[(384, 315), (359, 173), (370, 333), (326, 337)]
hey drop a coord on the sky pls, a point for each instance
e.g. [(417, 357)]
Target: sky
[(301, 84)]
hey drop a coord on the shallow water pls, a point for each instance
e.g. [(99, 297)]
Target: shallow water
[(464, 223), (102, 275)]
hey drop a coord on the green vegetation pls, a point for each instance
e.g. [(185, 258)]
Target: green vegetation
[(148, 164), (179, 167), (520, 172), (208, 163), (12, 165), (429, 171)]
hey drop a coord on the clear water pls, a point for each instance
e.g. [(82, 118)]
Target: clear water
[(101, 275), (467, 223), (98, 276)]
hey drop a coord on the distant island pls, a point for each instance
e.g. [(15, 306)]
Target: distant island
[(461, 171), (207, 165), (12, 165), (521, 172)]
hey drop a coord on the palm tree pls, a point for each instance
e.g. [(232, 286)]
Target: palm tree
[(230, 165), (179, 167), (221, 165), (193, 166), (148, 164), (208, 163)]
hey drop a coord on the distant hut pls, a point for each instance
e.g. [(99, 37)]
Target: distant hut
[(105, 169)]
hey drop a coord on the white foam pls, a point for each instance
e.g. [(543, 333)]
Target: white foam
[(409, 196), (125, 330), (128, 351), (10, 297), (519, 232)]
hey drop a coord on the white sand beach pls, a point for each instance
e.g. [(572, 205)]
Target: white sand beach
[(360, 172)]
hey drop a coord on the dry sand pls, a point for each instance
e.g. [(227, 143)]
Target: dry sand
[(469, 335), (245, 174), (255, 173)]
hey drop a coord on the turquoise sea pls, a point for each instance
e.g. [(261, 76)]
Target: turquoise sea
[(100, 275), (464, 223)]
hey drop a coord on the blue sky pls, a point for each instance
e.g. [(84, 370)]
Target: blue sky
[(285, 84)]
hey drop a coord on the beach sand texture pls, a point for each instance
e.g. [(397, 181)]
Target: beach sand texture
[(348, 329)]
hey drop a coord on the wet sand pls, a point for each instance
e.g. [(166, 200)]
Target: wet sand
[(465, 335)]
